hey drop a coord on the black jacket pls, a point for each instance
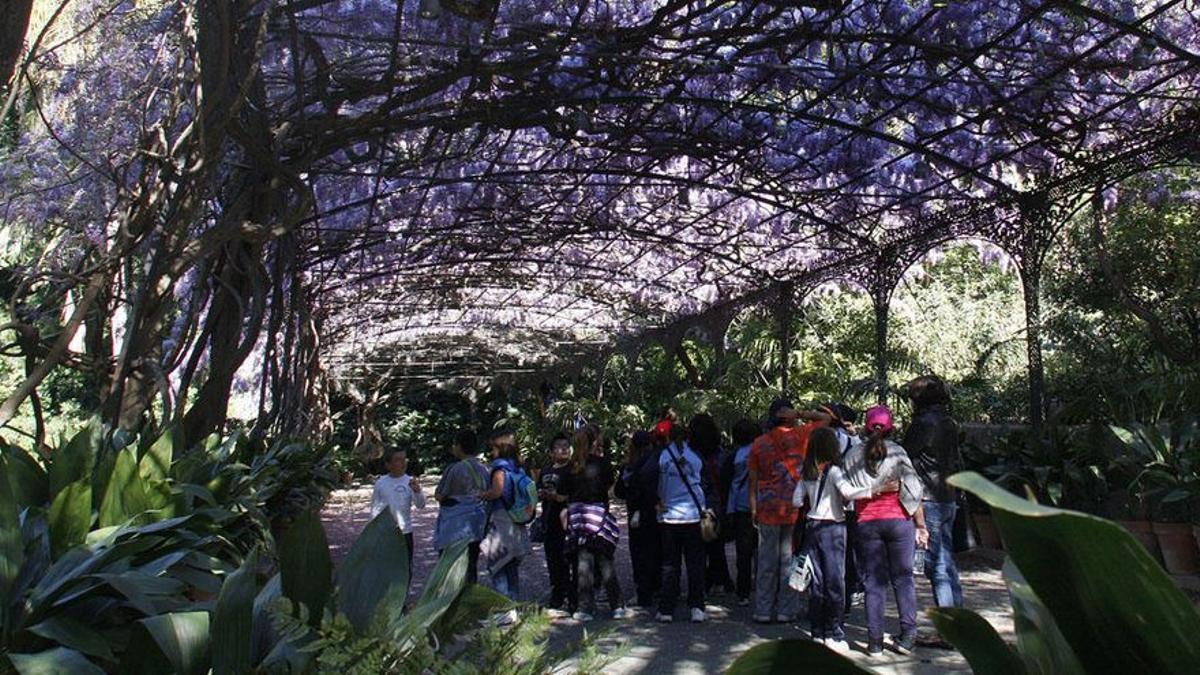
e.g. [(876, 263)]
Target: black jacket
[(932, 444)]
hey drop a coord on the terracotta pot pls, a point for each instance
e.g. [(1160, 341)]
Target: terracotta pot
[(1144, 533), (1179, 549), (989, 537)]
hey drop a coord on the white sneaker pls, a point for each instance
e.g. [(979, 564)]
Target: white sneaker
[(557, 613), (622, 613), (506, 618), (839, 646), (582, 617), (698, 615), (761, 618), (818, 640), (664, 618)]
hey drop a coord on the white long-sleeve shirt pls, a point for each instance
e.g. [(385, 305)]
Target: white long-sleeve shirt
[(397, 495), (833, 499)]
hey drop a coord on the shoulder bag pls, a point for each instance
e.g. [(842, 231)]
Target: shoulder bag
[(710, 528)]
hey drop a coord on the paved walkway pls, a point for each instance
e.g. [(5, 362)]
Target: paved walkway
[(682, 647)]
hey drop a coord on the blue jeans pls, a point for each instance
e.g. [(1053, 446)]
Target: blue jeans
[(939, 563), (885, 549), (507, 581), (825, 541)]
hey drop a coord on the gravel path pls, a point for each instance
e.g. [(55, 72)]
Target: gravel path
[(682, 647)]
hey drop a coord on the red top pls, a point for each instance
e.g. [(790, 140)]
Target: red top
[(881, 507), (777, 457)]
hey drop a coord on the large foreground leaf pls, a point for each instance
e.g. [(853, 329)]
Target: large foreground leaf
[(233, 620), (76, 459), (784, 657), (170, 643), (30, 485), (12, 549), (1115, 607), (54, 662), (982, 646), (305, 570), (375, 572), (444, 585), (125, 494), (70, 516)]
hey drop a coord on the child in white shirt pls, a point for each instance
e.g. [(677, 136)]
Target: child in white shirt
[(398, 492), (826, 491)]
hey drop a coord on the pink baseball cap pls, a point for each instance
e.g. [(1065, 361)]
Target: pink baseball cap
[(879, 418)]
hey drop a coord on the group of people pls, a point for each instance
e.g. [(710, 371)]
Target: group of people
[(859, 506)]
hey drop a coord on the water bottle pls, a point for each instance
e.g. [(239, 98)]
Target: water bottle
[(919, 561)]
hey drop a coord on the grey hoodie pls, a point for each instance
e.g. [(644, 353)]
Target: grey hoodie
[(895, 466)]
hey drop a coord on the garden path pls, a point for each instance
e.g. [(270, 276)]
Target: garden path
[(681, 647)]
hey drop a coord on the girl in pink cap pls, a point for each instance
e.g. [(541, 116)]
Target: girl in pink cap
[(890, 526)]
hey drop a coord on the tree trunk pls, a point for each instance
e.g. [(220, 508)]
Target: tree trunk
[(14, 17)]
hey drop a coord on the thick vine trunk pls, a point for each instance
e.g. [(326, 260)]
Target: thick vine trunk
[(14, 17)]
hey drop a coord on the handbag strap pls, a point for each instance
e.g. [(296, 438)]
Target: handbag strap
[(677, 460)]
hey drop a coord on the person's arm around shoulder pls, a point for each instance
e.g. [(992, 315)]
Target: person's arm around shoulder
[(851, 492)]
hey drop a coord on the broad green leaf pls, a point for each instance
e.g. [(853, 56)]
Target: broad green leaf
[(463, 614), (975, 638), (1114, 605), (70, 632), (156, 463), (70, 516), (76, 459), (271, 651), (1040, 643), (306, 572), (785, 657), (444, 585), (12, 549), (30, 484), (125, 496), (150, 595), (54, 662), (233, 620), (169, 643), (374, 573)]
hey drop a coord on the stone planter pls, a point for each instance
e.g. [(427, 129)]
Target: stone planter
[(989, 536), (1144, 533), (1180, 552)]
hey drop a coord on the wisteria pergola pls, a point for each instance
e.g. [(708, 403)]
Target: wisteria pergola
[(492, 188)]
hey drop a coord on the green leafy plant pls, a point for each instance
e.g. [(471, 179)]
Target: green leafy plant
[(1164, 462)]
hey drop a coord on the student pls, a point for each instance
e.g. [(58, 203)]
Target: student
[(552, 493), (889, 526), (591, 528), (825, 491), (737, 510), (774, 468), (642, 519), (844, 419), (398, 492), (680, 503), (932, 443), (705, 438), (461, 514), (505, 543)]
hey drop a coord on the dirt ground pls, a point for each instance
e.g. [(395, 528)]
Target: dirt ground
[(682, 647)]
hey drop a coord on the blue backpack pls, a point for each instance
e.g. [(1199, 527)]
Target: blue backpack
[(524, 496)]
